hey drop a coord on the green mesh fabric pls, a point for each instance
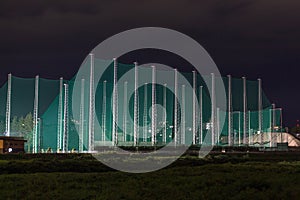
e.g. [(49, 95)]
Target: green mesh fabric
[(23, 97), (3, 91)]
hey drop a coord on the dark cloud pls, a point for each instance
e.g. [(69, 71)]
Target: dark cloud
[(250, 37)]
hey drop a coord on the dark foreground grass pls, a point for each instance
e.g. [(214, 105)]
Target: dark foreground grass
[(217, 177)]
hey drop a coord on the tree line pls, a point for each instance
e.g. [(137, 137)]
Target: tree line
[(19, 126)]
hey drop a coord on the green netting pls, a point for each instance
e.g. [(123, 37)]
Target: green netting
[(3, 91), (277, 120), (243, 131)]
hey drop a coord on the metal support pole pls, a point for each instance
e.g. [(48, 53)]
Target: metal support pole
[(218, 126), (281, 139), (176, 107), (66, 119), (272, 124), (183, 116), (244, 111), (213, 101), (249, 129), (153, 113), (136, 106), (115, 105), (194, 107), (165, 114), (8, 106), (201, 113), (145, 114), (91, 105), (229, 111), (240, 140), (125, 111), (60, 116), (260, 131), (104, 112), (35, 116), (81, 120), (39, 135)]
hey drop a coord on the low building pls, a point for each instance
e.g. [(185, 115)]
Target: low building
[(11, 144)]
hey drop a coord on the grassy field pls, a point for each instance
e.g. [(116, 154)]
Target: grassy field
[(218, 176)]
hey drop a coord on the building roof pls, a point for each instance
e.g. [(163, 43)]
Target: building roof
[(12, 138)]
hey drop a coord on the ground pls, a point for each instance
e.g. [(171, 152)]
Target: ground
[(218, 176)]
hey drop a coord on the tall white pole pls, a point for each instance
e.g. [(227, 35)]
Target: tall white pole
[(183, 115), (249, 129), (8, 106), (145, 114), (115, 105), (125, 111), (175, 107), (91, 105), (240, 141), (104, 112), (35, 116), (281, 139), (272, 124), (260, 131), (218, 126), (66, 118), (81, 120), (213, 101), (136, 106), (194, 108), (39, 135), (153, 113), (201, 113), (229, 111), (165, 114), (59, 116), (244, 111)]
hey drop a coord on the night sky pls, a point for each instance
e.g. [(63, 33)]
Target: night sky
[(256, 39)]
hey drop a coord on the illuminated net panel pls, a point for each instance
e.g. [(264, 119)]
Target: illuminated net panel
[(23, 97)]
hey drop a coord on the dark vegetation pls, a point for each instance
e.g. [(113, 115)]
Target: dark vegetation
[(263, 175)]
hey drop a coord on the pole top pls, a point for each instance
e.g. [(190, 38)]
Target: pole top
[(135, 63)]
